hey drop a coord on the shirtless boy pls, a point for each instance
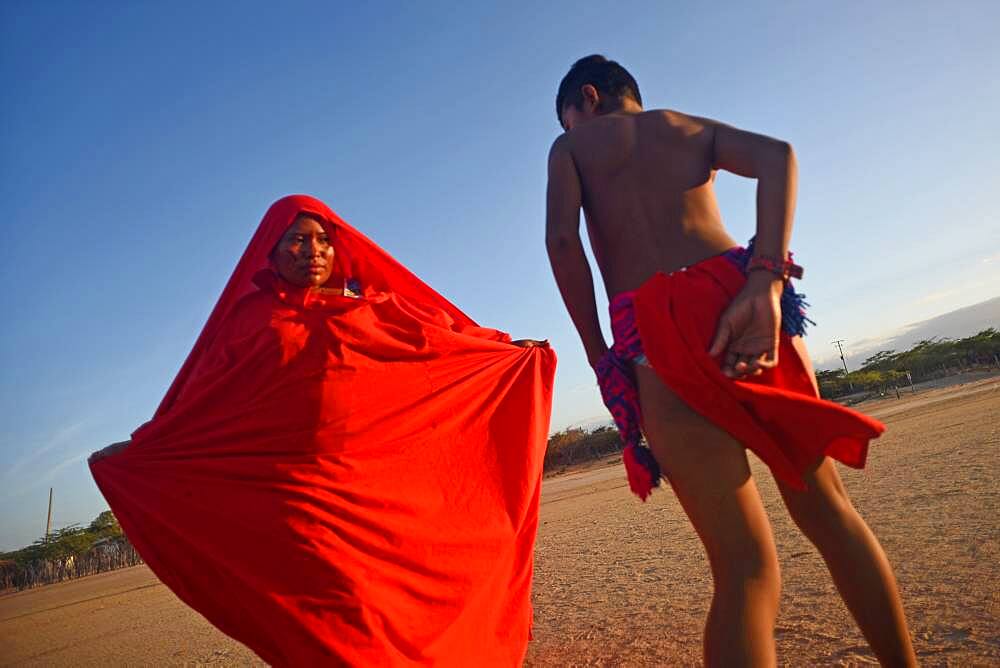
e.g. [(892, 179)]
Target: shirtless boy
[(644, 180)]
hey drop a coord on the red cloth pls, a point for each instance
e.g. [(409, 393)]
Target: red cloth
[(334, 480), (778, 415)]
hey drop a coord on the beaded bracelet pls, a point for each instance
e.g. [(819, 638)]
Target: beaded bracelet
[(784, 269)]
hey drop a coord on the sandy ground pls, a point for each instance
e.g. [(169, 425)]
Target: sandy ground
[(619, 582), (624, 583)]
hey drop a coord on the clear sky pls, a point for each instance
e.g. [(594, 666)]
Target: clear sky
[(140, 144)]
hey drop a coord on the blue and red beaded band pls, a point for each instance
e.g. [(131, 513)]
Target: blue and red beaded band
[(784, 269)]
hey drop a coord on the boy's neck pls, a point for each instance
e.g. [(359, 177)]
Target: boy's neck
[(630, 106)]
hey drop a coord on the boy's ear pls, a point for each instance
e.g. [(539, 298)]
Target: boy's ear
[(591, 98)]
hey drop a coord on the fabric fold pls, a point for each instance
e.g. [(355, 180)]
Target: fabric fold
[(668, 324), (345, 478)]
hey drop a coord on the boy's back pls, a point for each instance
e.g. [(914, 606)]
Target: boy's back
[(646, 182)]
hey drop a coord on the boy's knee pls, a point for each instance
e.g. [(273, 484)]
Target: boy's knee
[(823, 518), (757, 563), (756, 582)]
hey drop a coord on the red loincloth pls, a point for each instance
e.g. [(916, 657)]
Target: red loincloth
[(335, 480), (778, 415)]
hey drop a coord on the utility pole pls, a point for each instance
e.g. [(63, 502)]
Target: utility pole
[(838, 343), (48, 523)]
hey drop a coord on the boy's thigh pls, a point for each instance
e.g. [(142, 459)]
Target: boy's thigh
[(690, 446), (707, 468)]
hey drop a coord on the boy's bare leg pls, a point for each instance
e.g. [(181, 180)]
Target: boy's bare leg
[(709, 473), (856, 561)]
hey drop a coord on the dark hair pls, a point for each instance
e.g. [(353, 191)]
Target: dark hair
[(607, 76)]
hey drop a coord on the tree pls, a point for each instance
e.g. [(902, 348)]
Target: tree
[(929, 358), (881, 359), (105, 525)]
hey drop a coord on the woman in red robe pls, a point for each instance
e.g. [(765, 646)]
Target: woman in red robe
[(346, 470)]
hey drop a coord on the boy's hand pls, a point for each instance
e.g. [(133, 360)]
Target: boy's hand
[(747, 335), (593, 357)]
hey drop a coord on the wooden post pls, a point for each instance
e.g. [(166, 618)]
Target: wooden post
[(48, 523)]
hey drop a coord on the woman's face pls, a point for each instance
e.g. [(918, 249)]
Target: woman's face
[(304, 254)]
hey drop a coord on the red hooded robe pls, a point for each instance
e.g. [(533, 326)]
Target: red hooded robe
[(344, 480)]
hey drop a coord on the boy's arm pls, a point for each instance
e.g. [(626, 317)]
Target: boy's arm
[(562, 239), (748, 329), (772, 163)]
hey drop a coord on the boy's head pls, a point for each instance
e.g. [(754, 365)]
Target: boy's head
[(594, 86)]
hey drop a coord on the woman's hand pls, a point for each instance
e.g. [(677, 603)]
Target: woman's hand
[(530, 343), (110, 450)]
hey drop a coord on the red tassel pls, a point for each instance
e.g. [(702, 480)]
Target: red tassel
[(640, 480)]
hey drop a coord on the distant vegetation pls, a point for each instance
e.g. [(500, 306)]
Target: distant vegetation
[(71, 552), (928, 359), (574, 445), (68, 542)]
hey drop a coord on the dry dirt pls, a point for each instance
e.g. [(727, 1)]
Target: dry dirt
[(619, 582)]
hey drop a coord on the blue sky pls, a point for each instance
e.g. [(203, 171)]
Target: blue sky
[(140, 144)]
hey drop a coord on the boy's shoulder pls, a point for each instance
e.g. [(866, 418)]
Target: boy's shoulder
[(671, 120), (655, 124), (608, 124)]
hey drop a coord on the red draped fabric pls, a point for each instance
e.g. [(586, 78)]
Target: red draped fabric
[(344, 480)]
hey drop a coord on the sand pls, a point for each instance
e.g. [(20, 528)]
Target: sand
[(624, 583), (619, 582)]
